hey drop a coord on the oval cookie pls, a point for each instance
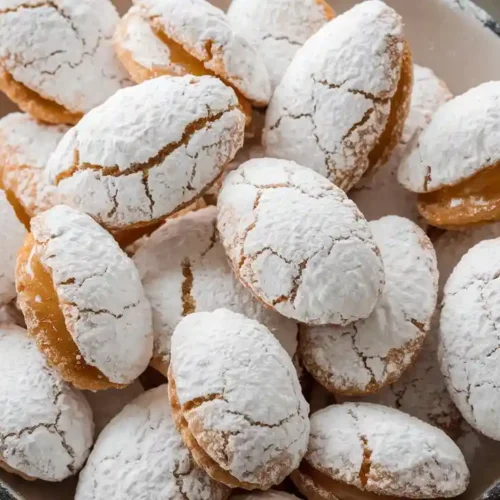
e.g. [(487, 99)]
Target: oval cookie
[(265, 495)]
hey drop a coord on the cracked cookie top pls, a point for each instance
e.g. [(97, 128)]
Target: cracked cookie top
[(366, 355), (334, 101), (265, 495), (292, 236), (149, 150), (141, 453), (237, 400), (46, 426), (362, 445), (204, 32), (59, 52), (468, 338), (278, 28), (184, 269)]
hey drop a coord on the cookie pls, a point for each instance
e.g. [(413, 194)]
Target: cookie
[(56, 58), (25, 148), (184, 270), (141, 455), (278, 29), (46, 426), (369, 354), (11, 315), (265, 495), (357, 450), (83, 301), (341, 105), (454, 164), (236, 399), (379, 193), (292, 236), (148, 151)]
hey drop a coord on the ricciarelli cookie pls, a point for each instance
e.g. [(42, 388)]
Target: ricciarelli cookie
[(454, 166), (83, 301), (46, 426), (363, 451), (292, 236), (56, 57), (341, 105), (148, 151), (184, 270), (265, 495), (140, 454), (369, 354), (236, 400)]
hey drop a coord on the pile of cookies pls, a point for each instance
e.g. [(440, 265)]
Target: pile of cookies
[(289, 338)]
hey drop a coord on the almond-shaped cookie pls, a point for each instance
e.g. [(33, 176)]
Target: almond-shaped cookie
[(46, 426), (366, 355), (140, 454), (360, 450), (148, 151), (292, 237), (184, 269), (237, 400), (455, 165), (341, 105), (278, 28), (83, 301), (265, 495), (56, 57)]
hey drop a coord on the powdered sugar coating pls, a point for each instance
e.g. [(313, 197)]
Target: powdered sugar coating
[(462, 138), (244, 403), (184, 269), (265, 495), (99, 291), (292, 236), (385, 451), (278, 28), (46, 426), (141, 455), (368, 354), (333, 102), (204, 31), (13, 233), (61, 49), (149, 150)]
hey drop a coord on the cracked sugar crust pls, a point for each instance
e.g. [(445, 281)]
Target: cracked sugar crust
[(462, 139), (205, 32), (13, 233), (46, 426), (366, 355), (184, 269), (140, 454), (148, 151), (243, 405), (265, 495), (26, 146), (338, 91), (379, 193), (292, 236), (278, 29), (99, 290), (468, 338), (362, 444)]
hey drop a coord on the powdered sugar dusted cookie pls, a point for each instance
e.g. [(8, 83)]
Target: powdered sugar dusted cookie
[(468, 339), (292, 236), (342, 103), (237, 400), (45, 425), (56, 58), (265, 495), (149, 150), (357, 449), (83, 301), (184, 269), (278, 29), (140, 454), (379, 193), (366, 355)]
